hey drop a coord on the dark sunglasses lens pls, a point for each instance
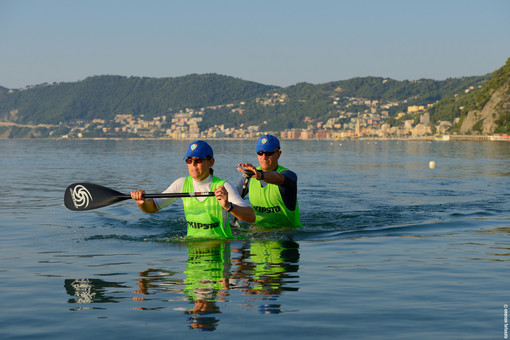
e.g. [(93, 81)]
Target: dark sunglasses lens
[(197, 160), (267, 153)]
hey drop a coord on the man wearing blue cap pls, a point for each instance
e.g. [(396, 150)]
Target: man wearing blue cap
[(272, 188), (206, 217)]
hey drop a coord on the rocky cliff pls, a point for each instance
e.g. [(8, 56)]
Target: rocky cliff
[(491, 113)]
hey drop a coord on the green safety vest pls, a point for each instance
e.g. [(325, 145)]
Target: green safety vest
[(205, 219), (270, 210)]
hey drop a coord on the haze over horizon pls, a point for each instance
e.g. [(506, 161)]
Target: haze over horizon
[(274, 43)]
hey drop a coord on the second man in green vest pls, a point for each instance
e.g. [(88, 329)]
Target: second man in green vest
[(272, 189)]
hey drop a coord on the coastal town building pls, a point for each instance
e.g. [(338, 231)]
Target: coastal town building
[(347, 125), (352, 118)]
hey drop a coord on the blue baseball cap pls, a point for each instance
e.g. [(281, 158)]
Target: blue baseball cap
[(267, 143), (199, 149)]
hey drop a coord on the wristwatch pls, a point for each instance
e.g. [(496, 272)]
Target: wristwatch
[(231, 207), (261, 175)]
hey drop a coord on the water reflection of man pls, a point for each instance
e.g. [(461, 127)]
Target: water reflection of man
[(207, 276), (270, 265), (153, 279)]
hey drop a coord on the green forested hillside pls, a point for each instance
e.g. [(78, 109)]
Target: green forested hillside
[(316, 101), (105, 96)]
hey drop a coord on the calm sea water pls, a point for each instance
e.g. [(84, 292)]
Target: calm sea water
[(389, 247)]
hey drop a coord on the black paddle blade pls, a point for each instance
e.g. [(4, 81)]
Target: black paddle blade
[(88, 196)]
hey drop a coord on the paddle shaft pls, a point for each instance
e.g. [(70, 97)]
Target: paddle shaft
[(179, 194), (123, 197), (247, 175)]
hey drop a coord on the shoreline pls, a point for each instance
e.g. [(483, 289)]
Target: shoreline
[(442, 138)]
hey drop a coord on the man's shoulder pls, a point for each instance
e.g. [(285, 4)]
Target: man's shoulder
[(289, 173)]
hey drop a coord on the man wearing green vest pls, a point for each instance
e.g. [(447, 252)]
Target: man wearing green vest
[(272, 189), (206, 217)]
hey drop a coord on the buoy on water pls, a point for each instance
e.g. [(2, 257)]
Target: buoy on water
[(432, 165)]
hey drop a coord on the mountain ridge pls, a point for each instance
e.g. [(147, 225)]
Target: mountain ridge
[(245, 102)]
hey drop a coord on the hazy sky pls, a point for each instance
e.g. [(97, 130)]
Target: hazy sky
[(274, 42)]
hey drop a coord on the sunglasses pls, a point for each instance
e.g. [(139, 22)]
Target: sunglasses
[(267, 153), (190, 160)]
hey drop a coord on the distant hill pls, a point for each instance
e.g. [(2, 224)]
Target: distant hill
[(105, 96), (323, 101), (280, 108)]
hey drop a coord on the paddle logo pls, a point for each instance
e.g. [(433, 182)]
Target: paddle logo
[(81, 197)]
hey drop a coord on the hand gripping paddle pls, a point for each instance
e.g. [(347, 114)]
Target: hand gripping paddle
[(247, 175), (88, 196)]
